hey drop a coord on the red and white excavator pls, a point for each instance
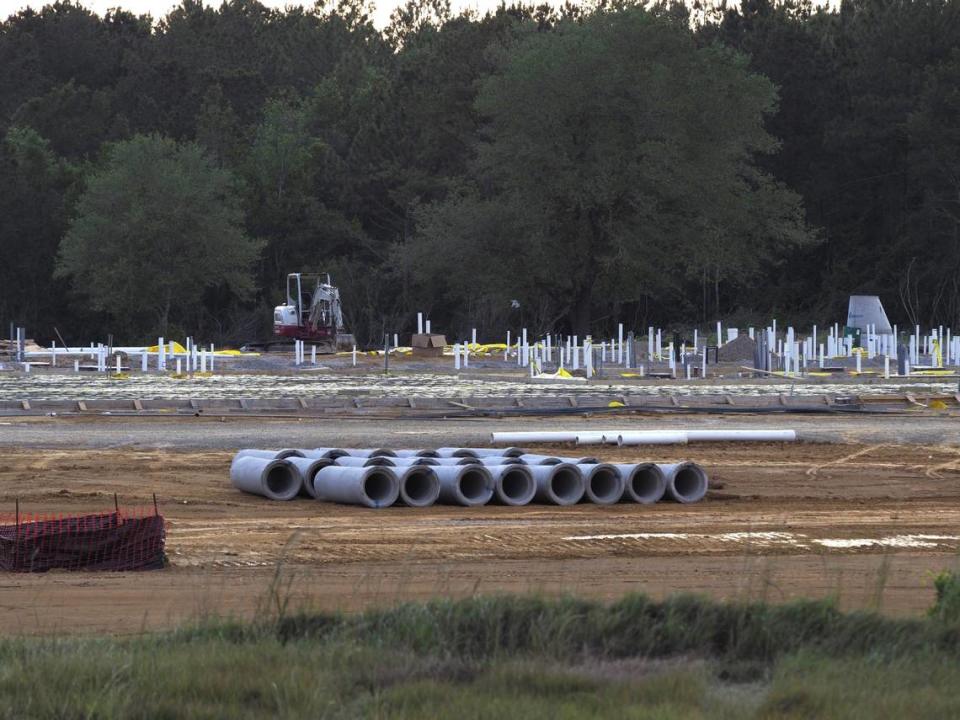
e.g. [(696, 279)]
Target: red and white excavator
[(312, 313)]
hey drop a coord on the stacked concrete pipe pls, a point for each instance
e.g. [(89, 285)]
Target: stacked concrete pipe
[(643, 483), (326, 453), (270, 454), (364, 461), (373, 487), (558, 484), (686, 482), (514, 484), (468, 485), (602, 483), (419, 485), (270, 477), (307, 468)]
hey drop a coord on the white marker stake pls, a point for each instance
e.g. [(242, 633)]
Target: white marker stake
[(212, 355), (354, 355), (473, 337), (886, 367), (428, 327), (506, 351), (76, 366), (419, 323), (456, 356), (466, 355), (203, 361), (178, 366), (161, 355), (620, 343), (313, 354)]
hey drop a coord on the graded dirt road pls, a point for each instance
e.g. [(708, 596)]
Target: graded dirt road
[(867, 523)]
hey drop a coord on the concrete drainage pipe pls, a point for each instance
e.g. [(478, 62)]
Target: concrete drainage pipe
[(373, 487), (270, 454), (412, 461), (603, 485), (307, 468), (468, 485), (643, 483), (269, 477), (686, 482), (540, 460), (370, 452), (589, 460), (558, 484), (447, 461), (496, 452), (513, 484), (449, 452), (376, 461), (498, 460), (328, 453), (415, 453), (419, 485)]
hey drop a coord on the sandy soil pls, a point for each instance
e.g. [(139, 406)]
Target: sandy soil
[(868, 524)]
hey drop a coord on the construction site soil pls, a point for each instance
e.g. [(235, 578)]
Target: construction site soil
[(868, 523)]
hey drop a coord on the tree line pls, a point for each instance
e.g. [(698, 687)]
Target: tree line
[(560, 169)]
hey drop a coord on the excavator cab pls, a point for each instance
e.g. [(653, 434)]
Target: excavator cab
[(312, 311)]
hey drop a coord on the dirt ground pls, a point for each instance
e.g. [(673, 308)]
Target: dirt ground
[(868, 524)]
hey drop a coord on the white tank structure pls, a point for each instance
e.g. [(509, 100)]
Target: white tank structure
[(643, 483), (686, 482), (307, 469), (419, 485), (559, 484), (269, 477), (867, 310), (602, 483), (513, 484), (468, 485), (372, 487)]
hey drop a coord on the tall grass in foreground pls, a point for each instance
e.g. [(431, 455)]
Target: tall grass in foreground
[(499, 657)]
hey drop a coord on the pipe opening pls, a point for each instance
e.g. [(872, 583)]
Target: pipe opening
[(645, 483), (473, 485), (690, 483), (604, 485), (378, 486), (279, 479), (516, 485), (419, 486), (565, 484)]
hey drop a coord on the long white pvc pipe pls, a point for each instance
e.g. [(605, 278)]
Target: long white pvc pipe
[(652, 437), (741, 435), (643, 437)]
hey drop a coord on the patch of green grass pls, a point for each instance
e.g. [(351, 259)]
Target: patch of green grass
[(947, 605), (503, 657)]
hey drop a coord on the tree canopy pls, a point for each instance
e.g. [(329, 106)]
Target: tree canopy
[(645, 163), (154, 229)]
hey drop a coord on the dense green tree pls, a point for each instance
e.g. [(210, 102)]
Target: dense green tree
[(156, 226), (625, 151)]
